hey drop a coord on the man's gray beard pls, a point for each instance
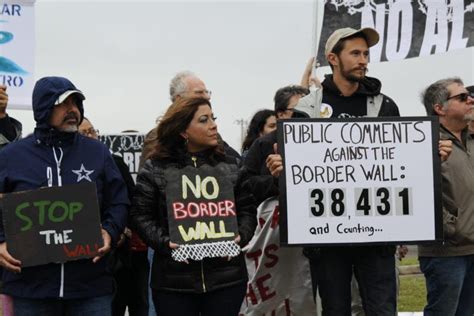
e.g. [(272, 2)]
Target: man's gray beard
[(69, 129), (469, 116)]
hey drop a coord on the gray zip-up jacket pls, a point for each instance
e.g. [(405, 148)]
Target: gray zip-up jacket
[(458, 200)]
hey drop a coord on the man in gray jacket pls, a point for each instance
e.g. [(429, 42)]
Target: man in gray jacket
[(449, 267)]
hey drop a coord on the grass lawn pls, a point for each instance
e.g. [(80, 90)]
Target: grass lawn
[(412, 296), (408, 261)]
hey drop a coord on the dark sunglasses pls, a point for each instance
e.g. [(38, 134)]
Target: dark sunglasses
[(461, 97)]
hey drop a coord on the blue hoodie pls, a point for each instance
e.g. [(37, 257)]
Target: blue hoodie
[(53, 158)]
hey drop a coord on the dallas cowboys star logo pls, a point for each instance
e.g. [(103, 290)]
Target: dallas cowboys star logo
[(83, 173)]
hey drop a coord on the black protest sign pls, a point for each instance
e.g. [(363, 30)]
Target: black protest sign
[(128, 146), (407, 28), (201, 207), (55, 224)]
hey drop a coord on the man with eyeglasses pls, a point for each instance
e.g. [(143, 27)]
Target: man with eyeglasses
[(471, 124), (263, 183), (449, 267), (186, 84)]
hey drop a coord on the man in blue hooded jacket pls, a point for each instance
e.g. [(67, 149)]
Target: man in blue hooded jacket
[(57, 155)]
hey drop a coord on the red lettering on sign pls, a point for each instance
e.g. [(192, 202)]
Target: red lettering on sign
[(229, 208), (251, 295), (269, 254), (213, 210), (255, 256), (81, 250), (275, 217), (178, 209), (203, 209), (264, 291), (193, 210), (287, 307)]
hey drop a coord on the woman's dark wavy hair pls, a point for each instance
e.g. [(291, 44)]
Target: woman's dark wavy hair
[(256, 127), (168, 143)]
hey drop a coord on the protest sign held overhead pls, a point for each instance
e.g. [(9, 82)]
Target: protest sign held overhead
[(201, 212), (407, 28), (366, 180), (55, 224)]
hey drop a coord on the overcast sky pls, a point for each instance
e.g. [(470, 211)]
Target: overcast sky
[(122, 55)]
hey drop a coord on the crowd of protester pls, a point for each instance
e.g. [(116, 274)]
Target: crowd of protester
[(134, 218)]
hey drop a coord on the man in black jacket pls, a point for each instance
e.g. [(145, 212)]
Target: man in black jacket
[(264, 185), (348, 92)]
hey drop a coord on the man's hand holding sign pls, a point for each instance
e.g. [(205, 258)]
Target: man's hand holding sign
[(361, 180), (58, 224), (7, 261)]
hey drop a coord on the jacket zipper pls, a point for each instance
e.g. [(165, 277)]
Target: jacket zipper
[(194, 159), (60, 183)]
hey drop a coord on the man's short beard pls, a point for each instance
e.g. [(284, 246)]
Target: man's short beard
[(469, 116), (69, 129), (350, 77)]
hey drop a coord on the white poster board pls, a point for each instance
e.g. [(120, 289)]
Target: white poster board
[(364, 180), (17, 51)]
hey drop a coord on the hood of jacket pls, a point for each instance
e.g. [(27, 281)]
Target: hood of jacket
[(45, 93), (369, 86)]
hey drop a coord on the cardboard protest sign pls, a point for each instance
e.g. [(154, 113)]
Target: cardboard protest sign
[(55, 224), (128, 146), (365, 180), (201, 212)]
